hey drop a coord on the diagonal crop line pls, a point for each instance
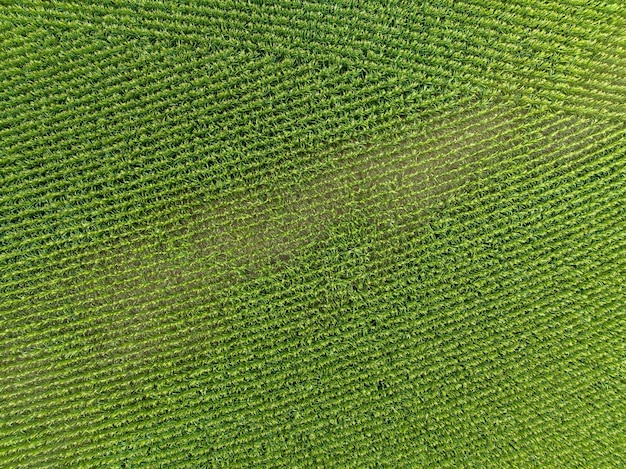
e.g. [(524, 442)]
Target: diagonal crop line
[(175, 221)]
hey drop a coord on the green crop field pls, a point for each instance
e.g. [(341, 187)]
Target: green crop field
[(348, 233)]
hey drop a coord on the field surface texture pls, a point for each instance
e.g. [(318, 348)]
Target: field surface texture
[(313, 234)]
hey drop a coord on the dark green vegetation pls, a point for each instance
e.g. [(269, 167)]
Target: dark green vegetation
[(313, 234)]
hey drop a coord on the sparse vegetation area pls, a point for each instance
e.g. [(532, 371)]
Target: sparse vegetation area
[(312, 234)]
